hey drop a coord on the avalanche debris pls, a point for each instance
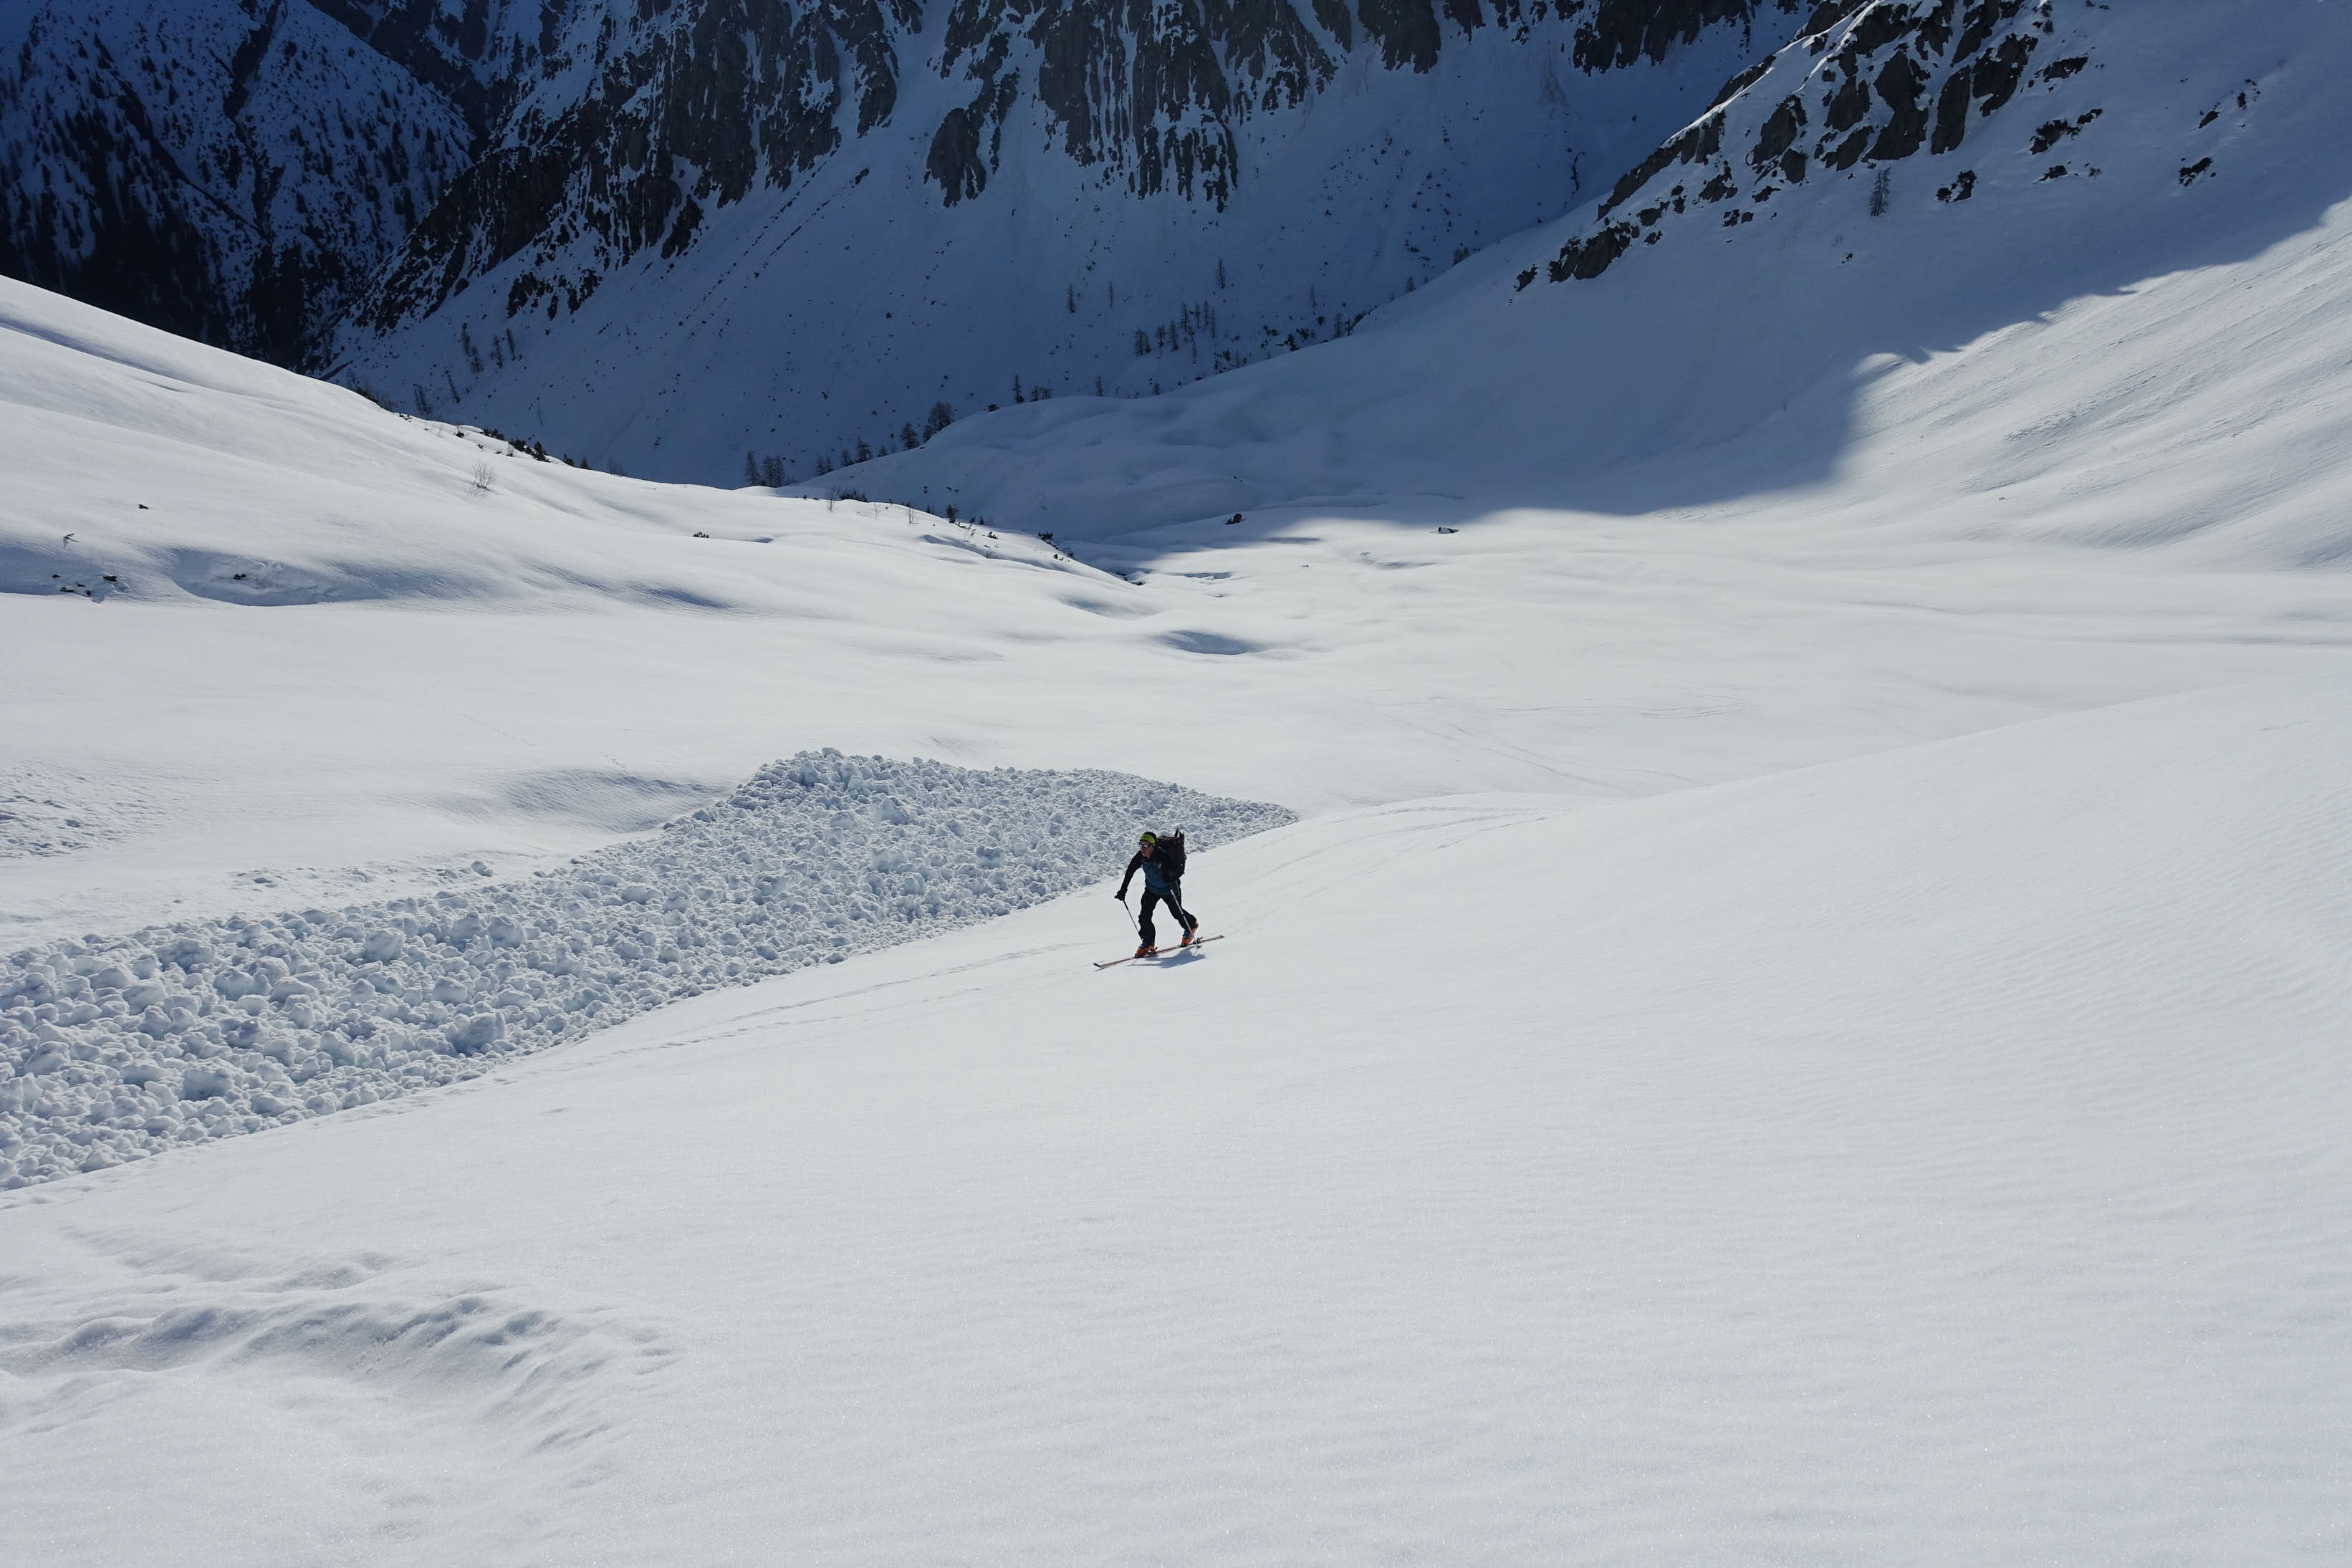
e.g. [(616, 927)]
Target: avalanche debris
[(116, 1048)]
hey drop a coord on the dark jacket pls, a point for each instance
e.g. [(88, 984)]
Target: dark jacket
[(1155, 876)]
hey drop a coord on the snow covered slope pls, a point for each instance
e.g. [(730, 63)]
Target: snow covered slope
[(666, 234), (1932, 1158), (713, 237), (1845, 1068), (677, 260), (348, 653), (273, 646), (2141, 351)]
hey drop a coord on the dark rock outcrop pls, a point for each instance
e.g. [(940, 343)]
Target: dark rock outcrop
[(688, 111), (1623, 31), (292, 161), (316, 181), (229, 174), (1890, 77)]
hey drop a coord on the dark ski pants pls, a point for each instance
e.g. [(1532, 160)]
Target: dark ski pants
[(1174, 896)]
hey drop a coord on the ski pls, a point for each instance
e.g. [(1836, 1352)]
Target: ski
[(1161, 952)]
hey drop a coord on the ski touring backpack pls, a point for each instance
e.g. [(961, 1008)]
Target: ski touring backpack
[(1170, 854)]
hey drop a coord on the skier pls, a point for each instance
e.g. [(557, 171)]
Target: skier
[(1162, 862)]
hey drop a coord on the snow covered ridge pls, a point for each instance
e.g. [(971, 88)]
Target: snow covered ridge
[(119, 1047)]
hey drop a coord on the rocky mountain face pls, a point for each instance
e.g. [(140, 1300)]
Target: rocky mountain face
[(629, 124), (1867, 86), (696, 236), (1909, 220), (228, 173)]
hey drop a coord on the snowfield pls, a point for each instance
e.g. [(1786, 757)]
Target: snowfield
[(117, 1048), (1931, 1158), (1800, 1018)]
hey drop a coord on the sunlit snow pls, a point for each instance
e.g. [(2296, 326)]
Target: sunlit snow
[(1799, 1018)]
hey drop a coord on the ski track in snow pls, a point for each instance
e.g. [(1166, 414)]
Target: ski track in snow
[(119, 1047)]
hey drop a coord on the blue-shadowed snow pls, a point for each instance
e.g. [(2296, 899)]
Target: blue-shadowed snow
[(114, 1048)]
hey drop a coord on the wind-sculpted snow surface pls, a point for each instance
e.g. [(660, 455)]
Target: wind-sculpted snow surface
[(119, 1047)]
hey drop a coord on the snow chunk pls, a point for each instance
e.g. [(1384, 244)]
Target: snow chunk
[(477, 1034)]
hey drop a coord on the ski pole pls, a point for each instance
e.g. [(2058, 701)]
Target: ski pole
[(1131, 916)]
